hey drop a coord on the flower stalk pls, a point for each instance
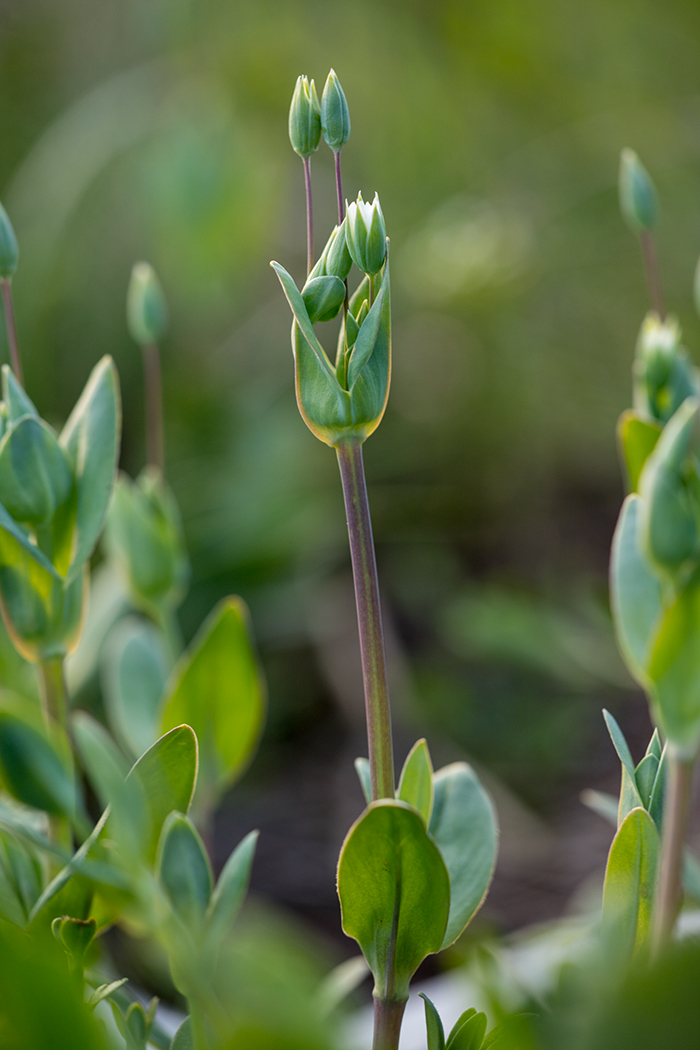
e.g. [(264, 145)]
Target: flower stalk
[(675, 827), (13, 342)]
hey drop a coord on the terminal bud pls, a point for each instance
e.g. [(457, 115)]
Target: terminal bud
[(335, 115), (638, 202), (305, 118), (366, 234), (9, 250), (146, 306)]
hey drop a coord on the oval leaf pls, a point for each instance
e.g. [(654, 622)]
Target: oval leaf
[(630, 882), (32, 771), (134, 678), (184, 870), (635, 592), (168, 774), (674, 670), (416, 783)]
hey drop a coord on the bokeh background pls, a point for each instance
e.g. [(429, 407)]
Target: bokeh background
[(491, 129)]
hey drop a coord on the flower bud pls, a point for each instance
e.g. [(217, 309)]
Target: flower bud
[(366, 234), (323, 297), (638, 202), (335, 115), (664, 375), (337, 257), (304, 118), (146, 308), (9, 250)]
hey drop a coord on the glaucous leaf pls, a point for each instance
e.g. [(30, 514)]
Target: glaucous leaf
[(182, 1040), (465, 827), (468, 1032), (637, 438), (363, 774), (32, 771), (635, 593), (230, 891), (416, 783), (394, 893), (184, 870), (168, 774), (35, 477), (630, 882), (135, 673), (674, 670)]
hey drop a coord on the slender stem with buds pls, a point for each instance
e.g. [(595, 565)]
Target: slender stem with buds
[(369, 616), (15, 359), (653, 274), (388, 1015), (675, 826), (154, 406), (309, 217)]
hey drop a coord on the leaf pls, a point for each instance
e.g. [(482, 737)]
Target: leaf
[(32, 771), (370, 387), (90, 440), (168, 774), (74, 866), (674, 670), (436, 1033), (416, 783), (231, 889), (367, 336), (637, 438), (645, 776), (606, 806), (655, 747), (15, 397), (217, 689), (465, 827), (630, 882), (340, 983), (105, 990), (362, 770), (619, 742), (469, 1031), (182, 1040), (296, 302), (658, 792), (635, 593), (324, 406), (394, 893), (691, 875), (133, 680), (35, 478), (184, 870)]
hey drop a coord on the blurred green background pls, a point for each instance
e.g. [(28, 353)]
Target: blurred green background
[(491, 129)]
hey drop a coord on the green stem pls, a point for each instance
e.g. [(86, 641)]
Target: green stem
[(15, 360), (653, 274), (388, 1015), (154, 407), (675, 826), (369, 616), (54, 694), (309, 217)]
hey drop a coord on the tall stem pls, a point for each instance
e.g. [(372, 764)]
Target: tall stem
[(15, 359), (154, 406), (388, 1015), (309, 217), (675, 826), (339, 188), (369, 617), (54, 694), (653, 274)]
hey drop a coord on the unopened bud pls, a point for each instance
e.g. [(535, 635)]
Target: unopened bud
[(335, 115), (366, 234), (305, 118), (664, 375), (638, 202), (323, 298), (146, 308), (9, 250)]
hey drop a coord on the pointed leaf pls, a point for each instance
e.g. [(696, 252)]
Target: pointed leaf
[(15, 397), (645, 776), (658, 792), (674, 670), (468, 1034), (105, 990), (436, 1033), (465, 827), (168, 774), (324, 406), (184, 870), (635, 593), (619, 742), (637, 438), (231, 889), (296, 302), (182, 1040), (394, 893), (31, 770), (416, 783), (630, 882), (35, 478), (367, 336), (605, 805), (363, 773), (217, 689), (90, 440), (134, 677)]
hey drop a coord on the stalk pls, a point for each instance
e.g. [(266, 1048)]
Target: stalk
[(339, 188), (675, 827), (369, 617), (653, 273), (54, 694), (309, 217), (13, 343), (154, 406), (388, 1015)]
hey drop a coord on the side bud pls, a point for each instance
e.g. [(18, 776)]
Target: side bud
[(305, 118), (366, 234), (9, 249), (663, 374), (638, 202), (146, 306), (335, 115)]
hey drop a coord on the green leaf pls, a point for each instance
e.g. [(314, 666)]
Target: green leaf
[(231, 889), (637, 438), (301, 316), (630, 882), (370, 380), (468, 1032), (104, 991), (655, 746), (90, 440), (217, 689), (658, 791), (182, 1040), (32, 771), (15, 397), (416, 783), (184, 870), (605, 805), (635, 593), (436, 1033), (394, 893), (645, 776), (35, 478), (465, 827), (363, 773), (135, 674), (367, 336), (324, 406), (619, 742), (674, 670), (168, 774)]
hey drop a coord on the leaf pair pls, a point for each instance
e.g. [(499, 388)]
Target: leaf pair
[(467, 1033)]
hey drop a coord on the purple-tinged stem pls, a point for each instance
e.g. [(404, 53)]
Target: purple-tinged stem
[(15, 359), (675, 827), (339, 188), (369, 617), (388, 1015), (155, 444), (309, 217), (653, 274)]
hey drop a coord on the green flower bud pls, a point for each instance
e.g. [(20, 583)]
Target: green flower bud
[(335, 115), (146, 307), (366, 234), (335, 259), (304, 118), (668, 523), (9, 250), (638, 202), (323, 298), (664, 376)]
